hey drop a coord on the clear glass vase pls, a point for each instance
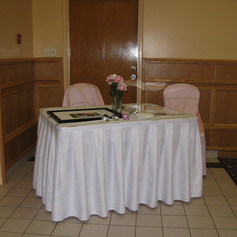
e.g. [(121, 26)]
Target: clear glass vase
[(117, 103)]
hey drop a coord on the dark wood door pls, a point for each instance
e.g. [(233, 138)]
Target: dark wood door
[(103, 40)]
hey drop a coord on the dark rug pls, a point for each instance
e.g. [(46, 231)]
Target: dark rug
[(230, 165), (32, 158)]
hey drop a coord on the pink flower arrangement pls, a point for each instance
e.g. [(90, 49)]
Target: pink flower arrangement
[(117, 88), (118, 81)]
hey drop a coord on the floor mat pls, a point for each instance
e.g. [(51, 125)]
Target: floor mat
[(230, 165), (32, 158)]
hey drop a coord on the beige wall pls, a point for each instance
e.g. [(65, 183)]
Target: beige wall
[(190, 29), (16, 17), (171, 29), (47, 26)]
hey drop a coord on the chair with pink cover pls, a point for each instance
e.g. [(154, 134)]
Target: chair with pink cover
[(184, 98), (82, 94)]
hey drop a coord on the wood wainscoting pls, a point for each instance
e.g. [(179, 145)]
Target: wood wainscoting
[(26, 85), (217, 82)]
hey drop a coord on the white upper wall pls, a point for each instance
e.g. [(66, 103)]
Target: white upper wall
[(47, 26), (16, 17), (205, 29)]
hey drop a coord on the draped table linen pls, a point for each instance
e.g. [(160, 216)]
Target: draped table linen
[(90, 168)]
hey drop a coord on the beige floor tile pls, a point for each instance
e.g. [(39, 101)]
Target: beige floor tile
[(148, 231), (6, 188), (174, 221), (210, 184), (123, 219), (19, 192), (4, 191), (41, 227), (26, 183), (121, 231), (32, 194), (127, 211), (218, 171), (232, 200), (215, 200), (226, 222), (227, 183), (43, 215), (91, 230), (204, 233), (229, 192), (33, 202), (202, 222), (220, 211), (2, 220), (172, 210), (32, 235), (144, 209), (149, 220), (221, 179), (195, 201), (176, 232), (72, 220), (208, 178), (227, 233), (6, 211), (212, 191), (67, 229), (24, 213), (234, 208), (177, 202), (11, 201), (9, 234), (99, 220), (220, 174), (15, 225), (197, 210)]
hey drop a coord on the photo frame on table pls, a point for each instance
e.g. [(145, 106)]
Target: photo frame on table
[(81, 115)]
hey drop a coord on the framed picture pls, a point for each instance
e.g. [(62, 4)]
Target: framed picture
[(81, 115)]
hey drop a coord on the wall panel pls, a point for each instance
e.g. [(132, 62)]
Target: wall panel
[(26, 85), (217, 83)]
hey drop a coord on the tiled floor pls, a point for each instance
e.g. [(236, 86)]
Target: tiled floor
[(213, 215)]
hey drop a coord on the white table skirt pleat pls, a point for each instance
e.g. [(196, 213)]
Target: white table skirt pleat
[(91, 169)]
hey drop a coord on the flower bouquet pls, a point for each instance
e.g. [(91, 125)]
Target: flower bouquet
[(117, 88)]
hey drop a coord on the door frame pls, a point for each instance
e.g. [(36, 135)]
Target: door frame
[(66, 47)]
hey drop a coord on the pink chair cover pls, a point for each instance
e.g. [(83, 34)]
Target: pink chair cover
[(184, 98), (82, 94)]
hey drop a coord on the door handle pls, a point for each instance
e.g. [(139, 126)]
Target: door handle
[(133, 68)]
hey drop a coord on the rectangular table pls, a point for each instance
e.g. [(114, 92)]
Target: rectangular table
[(90, 168)]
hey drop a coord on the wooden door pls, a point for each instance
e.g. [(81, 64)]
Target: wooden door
[(103, 40)]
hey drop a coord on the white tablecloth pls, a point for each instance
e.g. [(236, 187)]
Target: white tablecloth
[(97, 167)]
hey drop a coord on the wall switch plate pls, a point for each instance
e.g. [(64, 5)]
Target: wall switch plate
[(53, 52), (50, 52), (46, 52)]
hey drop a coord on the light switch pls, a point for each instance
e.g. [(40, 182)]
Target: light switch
[(53, 52), (50, 52), (47, 52)]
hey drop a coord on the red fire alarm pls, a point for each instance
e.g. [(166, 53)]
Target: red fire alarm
[(18, 36)]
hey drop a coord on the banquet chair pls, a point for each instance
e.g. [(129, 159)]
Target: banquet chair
[(184, 98), (82, 94)]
